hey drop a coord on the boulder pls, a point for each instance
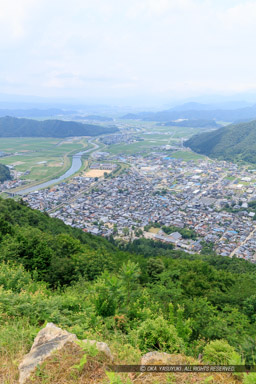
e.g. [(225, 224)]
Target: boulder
[(102, 347), (49, 339), (157, 358)]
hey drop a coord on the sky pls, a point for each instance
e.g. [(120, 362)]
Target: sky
[(134, 51)]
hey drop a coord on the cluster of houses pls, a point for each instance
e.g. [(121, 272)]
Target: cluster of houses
[(126, 138), (211, 197)]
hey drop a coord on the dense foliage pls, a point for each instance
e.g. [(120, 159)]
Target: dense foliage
[(151, 297), (234, 142), (5, 173), (186, 233), (13, 127)]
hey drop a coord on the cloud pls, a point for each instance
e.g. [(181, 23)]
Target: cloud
[(241, 15), (13, 17), (139, 46)]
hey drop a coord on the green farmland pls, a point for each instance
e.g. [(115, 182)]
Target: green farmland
[(43, 158), (187, 155)]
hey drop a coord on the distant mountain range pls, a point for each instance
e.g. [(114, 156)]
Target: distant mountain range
[(35, 112), (233, 142), (50, 112), (195, 111), (14, 127)]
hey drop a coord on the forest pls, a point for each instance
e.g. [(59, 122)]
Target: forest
[(5, 173), (147, 295), (233, 143), (19, 127)]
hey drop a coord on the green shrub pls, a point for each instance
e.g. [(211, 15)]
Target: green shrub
[(249, 379), (158, 334), (220, 352)]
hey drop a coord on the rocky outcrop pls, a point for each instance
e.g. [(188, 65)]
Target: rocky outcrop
[(48, 340)]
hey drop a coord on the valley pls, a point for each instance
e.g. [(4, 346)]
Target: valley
[(141, 177)]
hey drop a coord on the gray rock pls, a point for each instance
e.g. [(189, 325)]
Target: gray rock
[(49, 339), (102, 347)]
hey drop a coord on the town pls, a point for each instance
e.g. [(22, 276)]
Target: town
[(213, 198)]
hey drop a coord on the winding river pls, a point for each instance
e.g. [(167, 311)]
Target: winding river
[(75, 166)]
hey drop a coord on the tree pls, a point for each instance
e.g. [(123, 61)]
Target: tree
[(155, 266), (126, 231), (138, 232), (129, 275), (115, 230), (107, 294)]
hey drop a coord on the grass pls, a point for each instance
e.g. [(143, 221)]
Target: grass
[(129, 149), (54, 151), (57, 154), (154, 136), (16, 338), (154, 230), (139, 146), (64, 367), (230, 178), (187, 155)]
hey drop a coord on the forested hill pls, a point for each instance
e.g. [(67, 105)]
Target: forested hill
[(234, 142), (144, 294), (4, 173), (15, 127)]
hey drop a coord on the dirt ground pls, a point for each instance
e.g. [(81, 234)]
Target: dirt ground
[(95, 173)]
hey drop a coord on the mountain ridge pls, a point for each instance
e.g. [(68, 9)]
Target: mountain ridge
[(21, 127), (228, 115)]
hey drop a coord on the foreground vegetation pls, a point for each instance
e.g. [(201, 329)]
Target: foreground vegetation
[(139, 297)]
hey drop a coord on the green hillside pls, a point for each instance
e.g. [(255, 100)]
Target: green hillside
[(4, 173), (140, 298), (234, 142), (15, 127)]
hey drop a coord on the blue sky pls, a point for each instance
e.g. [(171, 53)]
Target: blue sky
[(119, 50)]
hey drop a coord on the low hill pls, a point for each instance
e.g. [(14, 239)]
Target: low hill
[(4, 173), (234, 142), (15, 127)]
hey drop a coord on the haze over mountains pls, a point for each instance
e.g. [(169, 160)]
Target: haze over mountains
[(198, 111), (14, 127), (227, 111)]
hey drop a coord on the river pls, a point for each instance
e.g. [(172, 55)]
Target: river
[(75, 166)]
